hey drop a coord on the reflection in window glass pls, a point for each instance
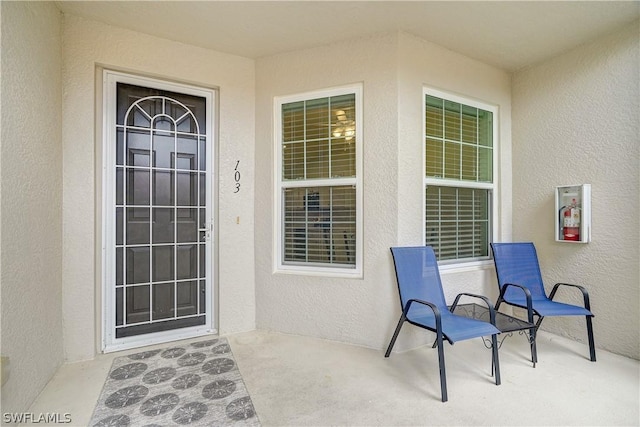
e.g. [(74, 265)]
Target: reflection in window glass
[(318, 138)]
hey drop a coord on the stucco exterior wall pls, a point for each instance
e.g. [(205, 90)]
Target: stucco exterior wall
[(393, 68), (88, 44), (422, 63), (576, 121), (31, 199), (352, 310)]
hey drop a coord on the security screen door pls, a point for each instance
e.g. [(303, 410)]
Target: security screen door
[(158, 211)]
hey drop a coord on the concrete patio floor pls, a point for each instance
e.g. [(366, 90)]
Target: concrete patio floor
[(302, 381)]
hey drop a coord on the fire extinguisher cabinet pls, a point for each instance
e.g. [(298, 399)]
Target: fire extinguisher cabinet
[(573, 213)]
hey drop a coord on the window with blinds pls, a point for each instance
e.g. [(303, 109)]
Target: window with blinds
[(318, 145), (459, 171)]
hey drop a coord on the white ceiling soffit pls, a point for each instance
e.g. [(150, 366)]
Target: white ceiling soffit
[(508, 35)]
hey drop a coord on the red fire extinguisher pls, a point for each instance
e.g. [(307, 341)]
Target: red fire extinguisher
[(571, 222)]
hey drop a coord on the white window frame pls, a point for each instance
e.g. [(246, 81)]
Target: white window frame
[(467, 264), (315, 269)]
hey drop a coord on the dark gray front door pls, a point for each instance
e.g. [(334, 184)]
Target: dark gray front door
[(161, 212)]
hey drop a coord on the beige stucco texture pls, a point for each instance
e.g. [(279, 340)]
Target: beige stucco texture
[(31, 200), (570, 120), (393, 69), (576, 121)]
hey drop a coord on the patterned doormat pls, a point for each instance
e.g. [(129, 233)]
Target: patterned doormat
[(195, 384)]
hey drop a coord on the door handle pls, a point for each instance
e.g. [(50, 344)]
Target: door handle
[(208, 227), (207, 230)]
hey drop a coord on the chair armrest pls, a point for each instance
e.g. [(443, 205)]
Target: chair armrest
[(527, 294), (431, 305), (492, 311), (435, 310), (585, 293)]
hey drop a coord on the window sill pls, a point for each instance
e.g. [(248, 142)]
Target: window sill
[(466, 266), (319, 272)]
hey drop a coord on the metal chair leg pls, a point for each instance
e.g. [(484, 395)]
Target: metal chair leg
[(532, 339), (592, 345), (395, 335), (495, 362), (443, 374), (532, 343)]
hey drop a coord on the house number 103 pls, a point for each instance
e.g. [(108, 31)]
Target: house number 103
[(236, 177)]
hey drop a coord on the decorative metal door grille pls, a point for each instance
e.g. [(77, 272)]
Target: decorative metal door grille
[(160, 212)]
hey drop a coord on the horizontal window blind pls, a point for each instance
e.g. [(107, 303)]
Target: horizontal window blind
[(459, 141), (457, 222), (459, 152), (318, 183), (318, 138), (320, 225)]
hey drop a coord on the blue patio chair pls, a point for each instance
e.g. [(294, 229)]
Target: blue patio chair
[(521, 285), (423, 304)]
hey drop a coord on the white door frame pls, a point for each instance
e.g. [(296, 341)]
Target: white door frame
[(109, 341)]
